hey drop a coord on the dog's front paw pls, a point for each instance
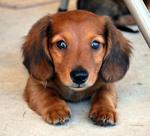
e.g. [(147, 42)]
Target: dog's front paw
[(57, 114), (103, 116)]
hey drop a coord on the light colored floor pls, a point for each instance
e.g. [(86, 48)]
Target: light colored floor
[(16, 119)]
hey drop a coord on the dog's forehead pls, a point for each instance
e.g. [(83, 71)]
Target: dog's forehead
[(77, 20)]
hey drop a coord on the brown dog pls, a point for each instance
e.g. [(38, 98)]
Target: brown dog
[(74, 55)]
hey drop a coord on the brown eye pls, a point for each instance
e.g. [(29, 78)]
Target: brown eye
[(61, 44), (95, 45)]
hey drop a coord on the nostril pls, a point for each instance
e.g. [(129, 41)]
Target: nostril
[(79, 76)]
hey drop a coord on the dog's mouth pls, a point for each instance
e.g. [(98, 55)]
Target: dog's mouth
[(78, 87)]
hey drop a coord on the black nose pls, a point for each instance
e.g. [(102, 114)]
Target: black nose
[(79, 75)]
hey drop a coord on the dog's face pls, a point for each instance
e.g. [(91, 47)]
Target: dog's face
[(79, 47)]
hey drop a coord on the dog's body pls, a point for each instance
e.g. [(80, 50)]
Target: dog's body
[(72, 56), (116, 9)]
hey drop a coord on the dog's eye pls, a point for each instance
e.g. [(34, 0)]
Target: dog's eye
[(95, 45), (61, 44)]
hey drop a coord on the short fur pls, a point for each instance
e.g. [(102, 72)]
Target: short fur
[(49, 83)]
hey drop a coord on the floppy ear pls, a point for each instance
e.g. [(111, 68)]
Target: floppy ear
[(116, 62), (35, 50)]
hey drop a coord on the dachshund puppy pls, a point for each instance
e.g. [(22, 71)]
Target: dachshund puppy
[(71, 56)]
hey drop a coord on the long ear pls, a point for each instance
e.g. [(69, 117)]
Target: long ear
[(116, 62), (36, 60)]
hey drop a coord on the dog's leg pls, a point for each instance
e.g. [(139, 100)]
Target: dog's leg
[(46, 102), (103, 110)]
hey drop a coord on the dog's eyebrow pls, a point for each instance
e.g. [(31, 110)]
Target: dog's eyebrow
[(57, 38), (101, 34), (99, 37)]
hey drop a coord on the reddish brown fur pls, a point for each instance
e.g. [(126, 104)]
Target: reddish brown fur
[(49, 82)]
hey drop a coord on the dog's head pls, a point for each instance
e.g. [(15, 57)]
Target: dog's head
[(78, 46)]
